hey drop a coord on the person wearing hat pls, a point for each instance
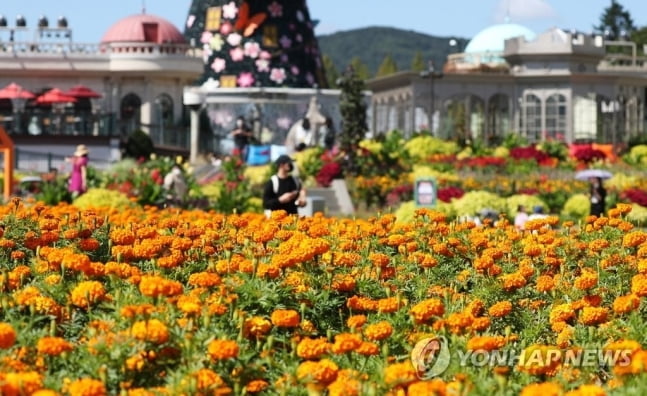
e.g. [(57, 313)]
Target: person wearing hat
[(78, 177), (283, 191)]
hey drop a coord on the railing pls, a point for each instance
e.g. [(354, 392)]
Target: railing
[(31, 48), (67, 123), (33, 161)]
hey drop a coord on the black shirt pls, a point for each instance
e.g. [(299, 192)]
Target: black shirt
[(271, 199)]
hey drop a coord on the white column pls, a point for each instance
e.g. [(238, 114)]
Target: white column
[(195, 133)]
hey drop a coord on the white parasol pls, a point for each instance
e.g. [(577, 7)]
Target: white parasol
[(589, 173)]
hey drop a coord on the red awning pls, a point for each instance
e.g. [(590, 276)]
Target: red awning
[(15, 91), (81, 91)]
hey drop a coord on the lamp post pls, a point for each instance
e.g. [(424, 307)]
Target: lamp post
[(432, 74)]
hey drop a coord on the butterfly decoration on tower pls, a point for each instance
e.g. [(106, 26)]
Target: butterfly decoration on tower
[(246, 23)]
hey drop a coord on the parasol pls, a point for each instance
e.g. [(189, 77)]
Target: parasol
[(589, 173), (55, 96), (81, 92), (15, 91)]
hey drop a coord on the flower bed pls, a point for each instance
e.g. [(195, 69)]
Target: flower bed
[(149, 301)]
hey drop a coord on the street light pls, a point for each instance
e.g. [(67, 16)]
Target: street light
[(432, 74)]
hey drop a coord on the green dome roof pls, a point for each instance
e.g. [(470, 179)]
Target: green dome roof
[(492, 39)]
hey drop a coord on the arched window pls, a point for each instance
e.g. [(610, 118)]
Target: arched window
[(556, 117), (164, 110), (532, 118), (130, 113), (498, 118)]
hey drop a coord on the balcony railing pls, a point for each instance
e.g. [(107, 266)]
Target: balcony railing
[(31, 48)]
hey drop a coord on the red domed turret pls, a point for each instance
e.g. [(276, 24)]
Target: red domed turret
[(143, 28)]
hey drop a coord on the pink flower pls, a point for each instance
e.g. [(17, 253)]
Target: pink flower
[(206, 37), (218, 65), (275, 9), (245, 79), (230, 10), (310, 78), (226, 28), (234, 39), (190, 20), (236, 54), (285, 42), (262, 65), (277, 75), (299, 38), (252, 49), (295, 70), (265, 55)]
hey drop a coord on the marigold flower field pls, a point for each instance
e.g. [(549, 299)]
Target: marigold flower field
[(147, 301)]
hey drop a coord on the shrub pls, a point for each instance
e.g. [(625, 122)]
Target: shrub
[(475, 201), (101, 197), (528, 201), (577, 207)]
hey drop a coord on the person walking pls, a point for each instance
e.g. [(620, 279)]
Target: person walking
[(242, 135), (283, 191), (176, 186), (598, 196), (521, 217), (79, 176)]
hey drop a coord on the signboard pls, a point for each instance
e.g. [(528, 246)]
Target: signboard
[(425, 192)]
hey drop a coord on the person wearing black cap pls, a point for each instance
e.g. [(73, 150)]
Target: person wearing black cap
[(283, 191)]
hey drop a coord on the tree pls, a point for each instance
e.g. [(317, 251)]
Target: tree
[(332, 75), (387, 67), (360, 68), (352, 107), (418, 63), (640, 37), (615, 22)]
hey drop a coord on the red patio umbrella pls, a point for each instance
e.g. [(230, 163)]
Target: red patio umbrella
[(55, 96), (81, 91), (15, 91)]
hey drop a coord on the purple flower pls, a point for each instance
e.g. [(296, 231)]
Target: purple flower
[(285, 42), (245, 80), (294, 69), (277, 75), (310, 78), (275, 9)]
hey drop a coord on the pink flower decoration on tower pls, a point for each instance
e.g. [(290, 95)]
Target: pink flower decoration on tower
[(252, 49), (275, 9), (277, 75), (218, 65), (236, 54), (262, 65), (234, 39), (206, 37), (245, 79), (230, 10), (226, 28)]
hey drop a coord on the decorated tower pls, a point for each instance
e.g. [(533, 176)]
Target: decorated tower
[(256, 43)]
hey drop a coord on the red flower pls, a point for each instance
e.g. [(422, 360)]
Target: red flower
[(327, 173), (446, 194)]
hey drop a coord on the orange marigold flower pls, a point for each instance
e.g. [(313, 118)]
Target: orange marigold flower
[(639, 285), (256, 326), (321, 372), (346, 342), (389, 305), (20, 383), (368, 349), (312, 348), (53, 346), (154, 286), (513, 281), (500, 309), (593, 315), (400, 374), (356, 321), (208, 380), (378, 331), (542, 389), (634, 238), (587, 280), (625, 304), (343, 282), (588, 389), (89, 244), (481, 323), (7, 335), (540, 360), (87, 293), (256, 386), (204, 279), (285, 318), (545, 283), (485, 343), (87, 387), (424, 310), (561, 313), (379, 259), (223, 349), (152, 330)]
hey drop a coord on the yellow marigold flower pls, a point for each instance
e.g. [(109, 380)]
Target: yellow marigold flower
[(7, 336), (312, 348), (87, 293), (154, 286), (256, 386), (136, 363), (285, 318), (564, 337), (321, 372), (223, 349), (379, 259), (152, 330), (307, 326), (87, 387), (53, 346), (45, 392), (346, 342), (208, 380), (344, 387), (485, 343), (356, 321), (513, 281), (639, 285), (542, 389), (545, 283), (378, 331), (540, 360), (20, 383), (561, 313), (593, 315), (625, 304), (424, 310), (500, 309), (634, 238), (532, 250), (256, 326)]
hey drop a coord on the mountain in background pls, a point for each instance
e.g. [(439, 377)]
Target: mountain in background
[(373, 44)]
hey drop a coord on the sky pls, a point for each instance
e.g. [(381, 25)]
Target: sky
[(90, 19)]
